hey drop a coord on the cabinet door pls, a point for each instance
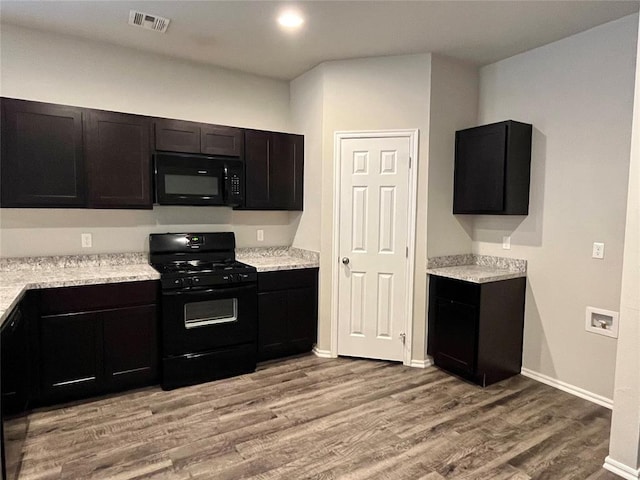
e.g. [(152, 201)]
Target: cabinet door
[(302, 318), (130, 347), (274, 170), (455, 336), (479, 180), (287, 171), (70, 355), (220, 140), (119, 160), (257, 159), (272, 324), (177, 136), (42, 160)]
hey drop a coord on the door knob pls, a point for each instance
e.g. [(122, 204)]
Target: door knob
[(345, 260)]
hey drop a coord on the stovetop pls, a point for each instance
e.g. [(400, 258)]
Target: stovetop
[(194, 260), (199, 266)]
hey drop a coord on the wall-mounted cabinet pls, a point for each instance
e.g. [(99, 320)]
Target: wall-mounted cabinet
[(64, 156), (118, 154), (274, 170), (492, 169), (42, 155), (191, 137), (61, 156)]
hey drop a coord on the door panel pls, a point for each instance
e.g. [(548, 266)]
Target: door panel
[(119, 159), (455, 335), (374, 220), (42, 159), (71, 352)]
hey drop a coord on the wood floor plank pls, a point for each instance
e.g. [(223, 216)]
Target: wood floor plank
[(324, 419)]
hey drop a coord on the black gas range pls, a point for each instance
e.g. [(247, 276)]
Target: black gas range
[(208, 307)]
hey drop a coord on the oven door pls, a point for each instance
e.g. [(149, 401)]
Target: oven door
[(189, 180), (203, 320)]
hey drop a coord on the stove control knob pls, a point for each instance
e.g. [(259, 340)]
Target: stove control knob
[(227, 278), (195, 280), (177, 282)]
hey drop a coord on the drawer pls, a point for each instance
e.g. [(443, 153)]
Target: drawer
[(97, 297), (456, 290), (287, 279)]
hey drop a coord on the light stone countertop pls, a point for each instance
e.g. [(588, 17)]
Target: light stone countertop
[(18, 275), (477, 268), (272, 259), (14, 283)]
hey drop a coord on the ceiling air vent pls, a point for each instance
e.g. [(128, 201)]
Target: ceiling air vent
[(148, 22)]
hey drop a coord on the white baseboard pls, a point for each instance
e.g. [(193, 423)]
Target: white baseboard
[(322, 353), (420, 363), (567, 387), (621, 469)]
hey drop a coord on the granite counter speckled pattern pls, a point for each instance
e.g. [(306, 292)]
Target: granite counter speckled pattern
[(20, 274), (477, 268), (270, 259)]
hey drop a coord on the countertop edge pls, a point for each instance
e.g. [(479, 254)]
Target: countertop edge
[(495, 277)]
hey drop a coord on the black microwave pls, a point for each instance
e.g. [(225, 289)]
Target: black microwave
[(184, 179)]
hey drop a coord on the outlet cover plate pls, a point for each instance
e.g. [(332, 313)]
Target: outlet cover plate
[(598, 250)]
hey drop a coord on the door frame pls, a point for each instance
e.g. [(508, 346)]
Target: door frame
[(339, 136)]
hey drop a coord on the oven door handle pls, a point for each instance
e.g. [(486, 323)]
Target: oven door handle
[(226, 291)]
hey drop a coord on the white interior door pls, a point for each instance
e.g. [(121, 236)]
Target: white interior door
[(373, 246)]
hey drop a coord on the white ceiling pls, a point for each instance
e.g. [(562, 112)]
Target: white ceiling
[(243, 35)]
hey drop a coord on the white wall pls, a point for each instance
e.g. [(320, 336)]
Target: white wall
[(625, 423), (60, 69), (454, 106), (307, 112), (578, 94)]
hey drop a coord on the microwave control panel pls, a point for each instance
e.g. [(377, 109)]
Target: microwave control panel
[(235, 184)]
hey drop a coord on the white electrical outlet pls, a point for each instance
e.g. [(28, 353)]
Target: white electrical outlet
[(598, 250), (86, 239), (260, 235), (506, 243)]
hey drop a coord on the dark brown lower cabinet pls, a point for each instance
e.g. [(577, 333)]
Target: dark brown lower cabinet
[(287, 312), (103, 340), (476, 329)]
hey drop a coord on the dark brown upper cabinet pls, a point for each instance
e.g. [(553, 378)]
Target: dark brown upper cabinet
[(273, 170), (177, 136), (118, 154), (492, 169), (191, 137), (42, 158)]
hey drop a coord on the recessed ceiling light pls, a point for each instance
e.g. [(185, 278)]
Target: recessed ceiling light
[(290, 19)]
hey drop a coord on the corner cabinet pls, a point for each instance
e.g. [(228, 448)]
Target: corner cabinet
[(42, 155), (118, 153), (492, 169), (287, 312), (476, 329), (273, 170), (96, 339)]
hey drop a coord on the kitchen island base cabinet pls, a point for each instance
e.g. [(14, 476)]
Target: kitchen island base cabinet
[(476, 329), (287, 312), (96, 339)]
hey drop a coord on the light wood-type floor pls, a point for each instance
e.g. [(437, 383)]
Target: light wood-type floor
[(312, 418)]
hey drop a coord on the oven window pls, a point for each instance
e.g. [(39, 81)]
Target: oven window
[(201, 185), (210, 312)]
